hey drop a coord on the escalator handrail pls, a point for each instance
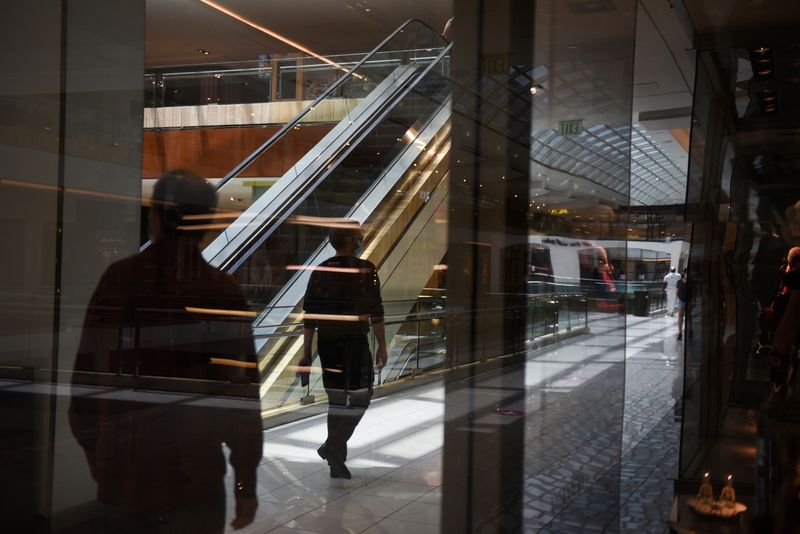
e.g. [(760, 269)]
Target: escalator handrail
[(338, 83), (247, 248)]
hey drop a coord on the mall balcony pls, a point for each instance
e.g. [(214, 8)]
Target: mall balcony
[(400, 266)]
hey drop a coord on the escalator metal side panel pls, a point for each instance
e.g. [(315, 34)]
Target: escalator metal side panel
[(252, 220), (403, 275)]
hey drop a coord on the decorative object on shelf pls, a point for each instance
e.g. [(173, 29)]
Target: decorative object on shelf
[(706, 490), (727, 498), (726, 506)]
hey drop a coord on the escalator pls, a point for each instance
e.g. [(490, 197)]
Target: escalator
[(385, 164)]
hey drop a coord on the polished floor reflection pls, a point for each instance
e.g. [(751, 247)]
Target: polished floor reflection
[(572, 452)]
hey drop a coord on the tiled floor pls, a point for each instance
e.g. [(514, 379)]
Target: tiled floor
[(586, 410)]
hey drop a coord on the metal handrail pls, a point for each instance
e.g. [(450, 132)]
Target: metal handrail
[(234, 261), (294, 122)]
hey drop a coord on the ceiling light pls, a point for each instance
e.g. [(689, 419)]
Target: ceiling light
[(274, 35), (203, 51)]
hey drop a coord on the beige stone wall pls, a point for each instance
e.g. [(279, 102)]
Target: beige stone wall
[(246, 114)]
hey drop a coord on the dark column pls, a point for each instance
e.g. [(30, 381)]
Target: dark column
[(487, 264), (70, 140)]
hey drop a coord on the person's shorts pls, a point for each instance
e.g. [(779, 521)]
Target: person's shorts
[(680, 305)]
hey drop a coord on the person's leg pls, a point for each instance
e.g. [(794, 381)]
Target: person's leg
[(333, 373), (121, 520), (204, 516), (360, 379), (671, 296), (681, 313), (348, 400)]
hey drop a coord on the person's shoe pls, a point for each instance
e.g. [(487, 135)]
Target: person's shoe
[(335, 462), (680, 336)]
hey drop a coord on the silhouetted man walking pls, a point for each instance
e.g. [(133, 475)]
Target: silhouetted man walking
[(342, 300)]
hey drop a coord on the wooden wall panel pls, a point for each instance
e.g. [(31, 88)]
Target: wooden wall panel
[(213, 152)]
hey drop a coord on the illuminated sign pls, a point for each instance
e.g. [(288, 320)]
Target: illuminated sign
[(494, 64), (574, 127)]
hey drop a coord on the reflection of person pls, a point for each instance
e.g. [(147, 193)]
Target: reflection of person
[(159, 318), (342, 299), (447, 32), (683, 300), (671, 289), (783, 325), (604, 274)]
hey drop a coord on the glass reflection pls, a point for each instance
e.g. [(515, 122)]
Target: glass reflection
[(166, 320)]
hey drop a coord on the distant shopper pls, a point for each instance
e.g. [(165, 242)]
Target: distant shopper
[(780, 322), (342, 300), (684, 296), (671, 289), (165, 318)]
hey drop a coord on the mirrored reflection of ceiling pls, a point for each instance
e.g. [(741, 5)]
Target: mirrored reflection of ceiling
[(600, 155), (177, 30), (588, 84)]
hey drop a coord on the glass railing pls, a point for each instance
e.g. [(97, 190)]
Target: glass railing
[(416, 332), (251, 82), (417, 342)]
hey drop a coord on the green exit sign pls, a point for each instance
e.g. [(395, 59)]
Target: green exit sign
[(570, 127), (496, 64)]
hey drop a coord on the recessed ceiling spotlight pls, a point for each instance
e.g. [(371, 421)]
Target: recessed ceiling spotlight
[(203, 51)]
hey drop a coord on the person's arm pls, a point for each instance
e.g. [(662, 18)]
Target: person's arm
[(99, 338), (310, 305), (789, 327), (308, 340), (376, 319), (381, 355), (244, 430)]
